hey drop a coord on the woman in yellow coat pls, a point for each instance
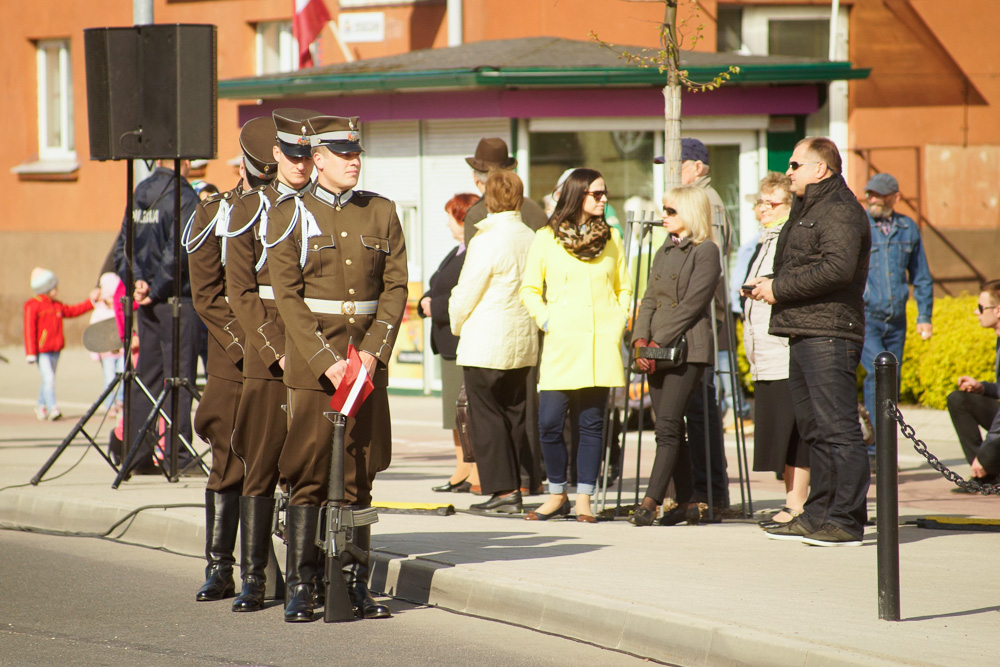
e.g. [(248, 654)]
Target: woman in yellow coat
[(576, 288)]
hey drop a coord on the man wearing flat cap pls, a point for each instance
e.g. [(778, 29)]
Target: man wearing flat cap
[(339, 277), (897, 261), (205, 242), (281, 167)]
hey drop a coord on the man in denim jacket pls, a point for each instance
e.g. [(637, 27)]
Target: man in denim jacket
[(897, 261)]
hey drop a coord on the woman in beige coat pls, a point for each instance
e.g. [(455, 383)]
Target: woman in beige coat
[(685, 272), (498, 341), (577, 290), (777, 444)]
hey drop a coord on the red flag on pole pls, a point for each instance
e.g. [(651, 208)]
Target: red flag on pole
[(310, 17), (354, 388)]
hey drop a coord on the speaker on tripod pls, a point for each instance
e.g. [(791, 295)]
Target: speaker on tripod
[(151, 94)]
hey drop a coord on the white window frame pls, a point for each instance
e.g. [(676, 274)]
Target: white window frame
[(755, 25), (288, 47), (66, 149), (831, 120)]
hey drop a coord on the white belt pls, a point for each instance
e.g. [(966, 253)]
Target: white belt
[(326, 306)]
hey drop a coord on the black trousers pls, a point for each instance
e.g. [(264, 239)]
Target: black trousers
[(821, 377), (497, 420), (532, 466), (698, 439), (670, 391), (968, 412), (155, 329)]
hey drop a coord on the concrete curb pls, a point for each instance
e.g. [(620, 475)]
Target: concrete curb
[(178, 530), (621, 626)]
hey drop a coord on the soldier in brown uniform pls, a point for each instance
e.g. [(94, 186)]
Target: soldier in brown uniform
[(339, 276), (261, 422), (216, 413)]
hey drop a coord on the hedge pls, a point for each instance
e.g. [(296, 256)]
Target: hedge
[(930, 368)]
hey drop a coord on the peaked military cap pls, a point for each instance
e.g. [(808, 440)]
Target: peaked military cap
[(339, 134), (293, 131), (257, 140)]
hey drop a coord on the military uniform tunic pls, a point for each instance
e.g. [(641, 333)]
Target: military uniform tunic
[(348, 249), (261, 422), (216, 412)]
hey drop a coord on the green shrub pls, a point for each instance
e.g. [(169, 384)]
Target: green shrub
[(959, 346)]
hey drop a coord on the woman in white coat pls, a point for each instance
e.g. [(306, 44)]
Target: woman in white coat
[(498, 341), (576, 288)]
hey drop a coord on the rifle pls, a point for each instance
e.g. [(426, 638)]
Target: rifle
[(337, 537)]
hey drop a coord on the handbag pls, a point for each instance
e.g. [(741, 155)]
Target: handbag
[(462, 423), (670, 356)]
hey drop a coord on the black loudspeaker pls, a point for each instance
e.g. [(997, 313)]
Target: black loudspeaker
[(151, 92)]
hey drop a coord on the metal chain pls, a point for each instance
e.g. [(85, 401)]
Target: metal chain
[(935, 462)]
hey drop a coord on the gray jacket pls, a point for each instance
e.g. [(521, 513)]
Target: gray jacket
[(681, 286)]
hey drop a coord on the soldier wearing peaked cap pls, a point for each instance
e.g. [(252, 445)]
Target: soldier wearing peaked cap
[(283, 160), (205, 242), (339, 276)]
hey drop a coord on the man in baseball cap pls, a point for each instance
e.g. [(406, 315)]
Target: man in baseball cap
[(897, 261)]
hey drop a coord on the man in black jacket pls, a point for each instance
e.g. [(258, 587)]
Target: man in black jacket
[(817, 289), (152, 217)]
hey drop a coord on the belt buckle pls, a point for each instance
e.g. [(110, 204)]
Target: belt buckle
[(350, 308)]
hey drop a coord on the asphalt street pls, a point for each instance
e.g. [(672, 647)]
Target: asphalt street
[(75, 601)]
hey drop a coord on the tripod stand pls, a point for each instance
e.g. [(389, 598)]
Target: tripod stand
[(80, 427)]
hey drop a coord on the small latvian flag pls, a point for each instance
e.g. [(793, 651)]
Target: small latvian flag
[(355, 386)]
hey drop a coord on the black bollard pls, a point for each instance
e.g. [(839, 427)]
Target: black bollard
[(887, 485)]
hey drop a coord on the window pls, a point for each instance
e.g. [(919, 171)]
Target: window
[(787, 30), (277, 50), (55, 101)]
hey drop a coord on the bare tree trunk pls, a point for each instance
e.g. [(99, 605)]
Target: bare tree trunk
[(671, 99)]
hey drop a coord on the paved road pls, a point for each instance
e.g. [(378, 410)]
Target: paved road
[(72, 601)]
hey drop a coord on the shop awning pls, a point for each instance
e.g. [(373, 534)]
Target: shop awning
[(531, 62)]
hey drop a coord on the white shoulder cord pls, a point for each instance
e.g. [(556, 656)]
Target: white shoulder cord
[(265, 219), (221, 219)]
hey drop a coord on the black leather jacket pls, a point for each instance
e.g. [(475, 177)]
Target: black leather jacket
[(821, 265)]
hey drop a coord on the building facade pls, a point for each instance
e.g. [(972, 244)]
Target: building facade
[(924, 111)]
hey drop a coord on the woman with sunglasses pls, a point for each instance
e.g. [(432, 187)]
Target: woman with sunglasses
[(685, 272), (576, 288)]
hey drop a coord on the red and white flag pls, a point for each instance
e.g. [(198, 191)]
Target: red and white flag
[(310, 17), (354, 388)]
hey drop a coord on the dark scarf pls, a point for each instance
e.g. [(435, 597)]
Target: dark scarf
[(585, 240)]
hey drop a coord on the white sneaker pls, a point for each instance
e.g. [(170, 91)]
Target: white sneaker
[(41, 413), (55, 415)]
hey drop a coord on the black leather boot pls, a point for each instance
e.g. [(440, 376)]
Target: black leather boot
[(256, 516), (301, 522), (222, 518), (356, 575)]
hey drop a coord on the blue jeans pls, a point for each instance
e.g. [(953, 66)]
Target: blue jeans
[(880, 336), (109, 367), (47, 362), (586, 410), (722, 366), (823, 381)]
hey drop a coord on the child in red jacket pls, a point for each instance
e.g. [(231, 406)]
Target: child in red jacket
[(43, 336)]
